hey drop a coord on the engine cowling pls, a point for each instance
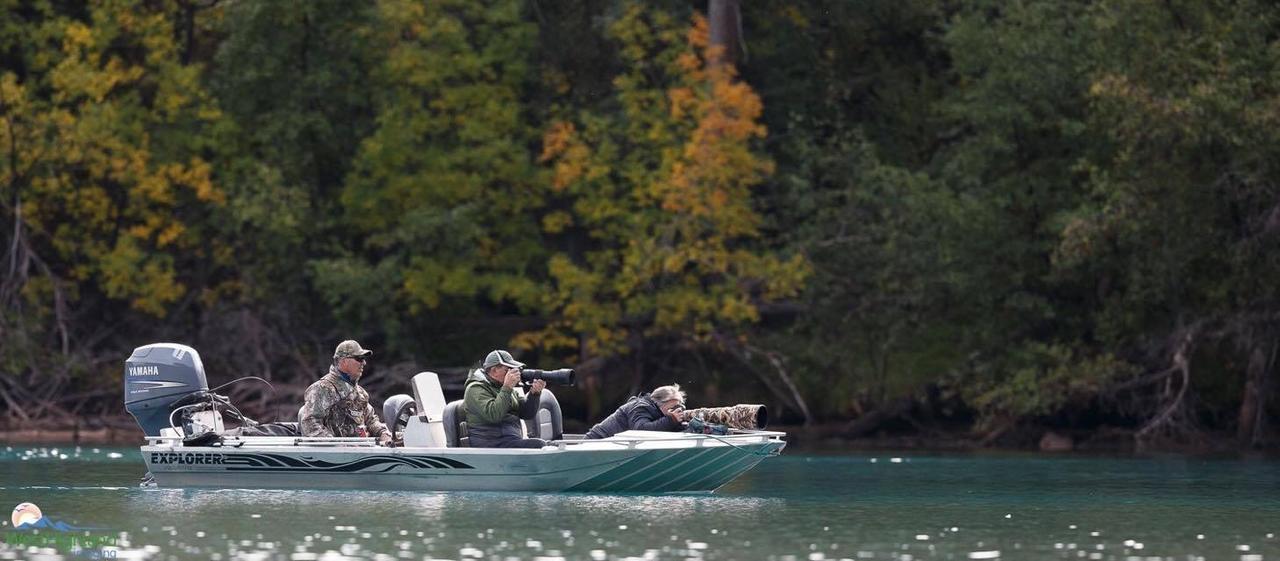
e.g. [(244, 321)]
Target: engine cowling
[(157, 378)]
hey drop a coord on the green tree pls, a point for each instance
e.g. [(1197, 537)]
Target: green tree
[(443, 195), (852, 91), (293, 79), (657, 202), (1178, 235), (105, 179)]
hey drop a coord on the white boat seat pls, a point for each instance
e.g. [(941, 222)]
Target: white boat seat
[(427, 392), (455, 425), (426, 429)]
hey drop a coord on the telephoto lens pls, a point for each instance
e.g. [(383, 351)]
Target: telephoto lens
[(741, 416), (561, 377)]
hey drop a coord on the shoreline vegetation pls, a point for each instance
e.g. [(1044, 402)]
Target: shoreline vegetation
[(972, 221)]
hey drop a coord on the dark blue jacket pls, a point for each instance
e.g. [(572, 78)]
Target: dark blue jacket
[(638, 413)]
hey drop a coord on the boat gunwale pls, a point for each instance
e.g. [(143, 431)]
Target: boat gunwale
[(359, 444)]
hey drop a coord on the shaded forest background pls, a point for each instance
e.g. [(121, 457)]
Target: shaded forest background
[(977, 218)]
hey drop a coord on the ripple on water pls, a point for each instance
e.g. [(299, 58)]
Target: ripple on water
[(612, 527)]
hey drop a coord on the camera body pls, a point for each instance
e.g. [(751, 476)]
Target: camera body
[(561, 377)]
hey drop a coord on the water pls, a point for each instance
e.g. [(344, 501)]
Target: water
[(795, 507)]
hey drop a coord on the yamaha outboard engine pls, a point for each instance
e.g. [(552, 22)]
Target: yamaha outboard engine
[(159, 378)]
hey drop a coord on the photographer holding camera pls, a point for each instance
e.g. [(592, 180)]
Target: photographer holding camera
[(494, 408), (660, 410)]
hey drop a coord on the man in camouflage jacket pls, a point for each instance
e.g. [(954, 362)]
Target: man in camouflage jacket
[(336, 405)]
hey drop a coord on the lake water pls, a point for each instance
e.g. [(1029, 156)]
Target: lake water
[(794, 507)]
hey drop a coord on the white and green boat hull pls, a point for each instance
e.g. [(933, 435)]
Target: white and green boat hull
[(633, 462)]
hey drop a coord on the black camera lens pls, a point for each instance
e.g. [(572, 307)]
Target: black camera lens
[(561, 377)]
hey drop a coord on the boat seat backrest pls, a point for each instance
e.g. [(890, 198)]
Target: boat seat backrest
[(548, 424), (455, 425), (428, 395)]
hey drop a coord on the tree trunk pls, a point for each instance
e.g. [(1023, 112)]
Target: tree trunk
[(1173, 420), (725, 19), (1252, 403), (871, 421), (788, 393)]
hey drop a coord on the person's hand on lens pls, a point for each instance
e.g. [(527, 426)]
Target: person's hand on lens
[(673, 411), (537, 385), (513, 378)]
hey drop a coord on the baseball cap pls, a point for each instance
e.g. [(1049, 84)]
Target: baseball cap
[(503, 358), (350, 348)]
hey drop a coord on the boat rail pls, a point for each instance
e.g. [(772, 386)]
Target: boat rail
[(238, 441), (739, 437)]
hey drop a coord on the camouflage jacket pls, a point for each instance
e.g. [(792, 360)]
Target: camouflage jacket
[(335, 407)]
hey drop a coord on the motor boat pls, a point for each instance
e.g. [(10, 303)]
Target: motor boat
[(188, 445)]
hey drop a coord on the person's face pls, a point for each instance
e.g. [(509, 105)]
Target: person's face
[(353, 366)]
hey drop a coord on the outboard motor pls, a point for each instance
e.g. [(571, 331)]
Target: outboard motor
[(159, 378)]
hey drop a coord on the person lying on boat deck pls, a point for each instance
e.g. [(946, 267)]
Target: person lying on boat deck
[(336, 405), (658, 410), (494, 408)]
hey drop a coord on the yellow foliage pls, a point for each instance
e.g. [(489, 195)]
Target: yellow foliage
[(556, 221), (557, 139), (572, 158), (699, 36), (169, 234), (76, 37), (665, 194), (102, 198)]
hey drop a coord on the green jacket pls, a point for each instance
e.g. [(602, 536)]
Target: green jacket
[(491, 405)]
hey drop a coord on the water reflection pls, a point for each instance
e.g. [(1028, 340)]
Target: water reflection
[(788, 508), (640, 508)]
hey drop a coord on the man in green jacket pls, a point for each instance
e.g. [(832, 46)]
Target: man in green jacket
[(494, 408)]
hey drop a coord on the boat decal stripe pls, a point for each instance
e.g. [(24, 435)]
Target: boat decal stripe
[(251, 460), (276, 462), (449, 462), (286, 460)]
